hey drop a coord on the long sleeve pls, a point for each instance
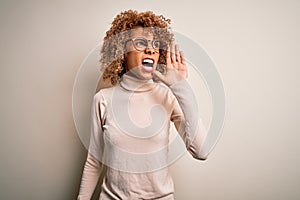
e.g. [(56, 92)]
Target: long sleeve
[(93, 166), (90, 176), (187, 120)]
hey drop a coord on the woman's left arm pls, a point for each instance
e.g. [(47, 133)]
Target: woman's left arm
[(185, 113), (187, 120)]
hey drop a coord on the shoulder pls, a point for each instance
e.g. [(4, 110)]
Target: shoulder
[(164, 91), (103, 94), (161, 88)]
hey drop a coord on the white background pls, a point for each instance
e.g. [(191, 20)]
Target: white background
[(255, 45)]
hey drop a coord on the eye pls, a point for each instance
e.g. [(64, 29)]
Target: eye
[(156, 44), (140, 43)]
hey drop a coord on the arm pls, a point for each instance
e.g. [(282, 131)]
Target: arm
[(187, 119), (90, 176), (185, 111), (93, 166)]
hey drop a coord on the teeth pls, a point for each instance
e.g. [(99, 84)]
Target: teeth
[(146, 60)]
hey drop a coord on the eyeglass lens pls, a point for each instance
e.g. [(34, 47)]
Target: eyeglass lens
[(142, 43)]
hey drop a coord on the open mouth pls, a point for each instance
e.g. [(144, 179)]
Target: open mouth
[(148, 64)]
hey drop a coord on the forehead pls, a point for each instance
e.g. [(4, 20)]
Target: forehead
[(142, 32)]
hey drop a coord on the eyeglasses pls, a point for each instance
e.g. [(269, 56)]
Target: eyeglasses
[(141, 44)]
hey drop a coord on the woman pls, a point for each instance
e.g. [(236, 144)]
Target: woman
[(147, 74)]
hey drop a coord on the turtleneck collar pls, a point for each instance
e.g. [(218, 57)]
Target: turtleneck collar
[(131, 83)]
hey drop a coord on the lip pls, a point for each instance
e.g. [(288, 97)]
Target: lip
[(149, 59), (146, 68)]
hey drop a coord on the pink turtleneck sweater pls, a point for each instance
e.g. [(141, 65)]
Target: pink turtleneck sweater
[(137, 154)]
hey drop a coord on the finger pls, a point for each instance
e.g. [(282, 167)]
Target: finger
[(173, 56), (182, 58), (168, 58), (178, 59), (182, 65)]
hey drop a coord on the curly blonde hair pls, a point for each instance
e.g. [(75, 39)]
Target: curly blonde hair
[(112, 53)]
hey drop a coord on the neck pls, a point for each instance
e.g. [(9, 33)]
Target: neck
[(132, 83)]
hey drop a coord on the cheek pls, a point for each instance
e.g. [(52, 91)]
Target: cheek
[(132, 59)]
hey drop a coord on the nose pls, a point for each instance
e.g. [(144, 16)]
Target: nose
[(149, 50)]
